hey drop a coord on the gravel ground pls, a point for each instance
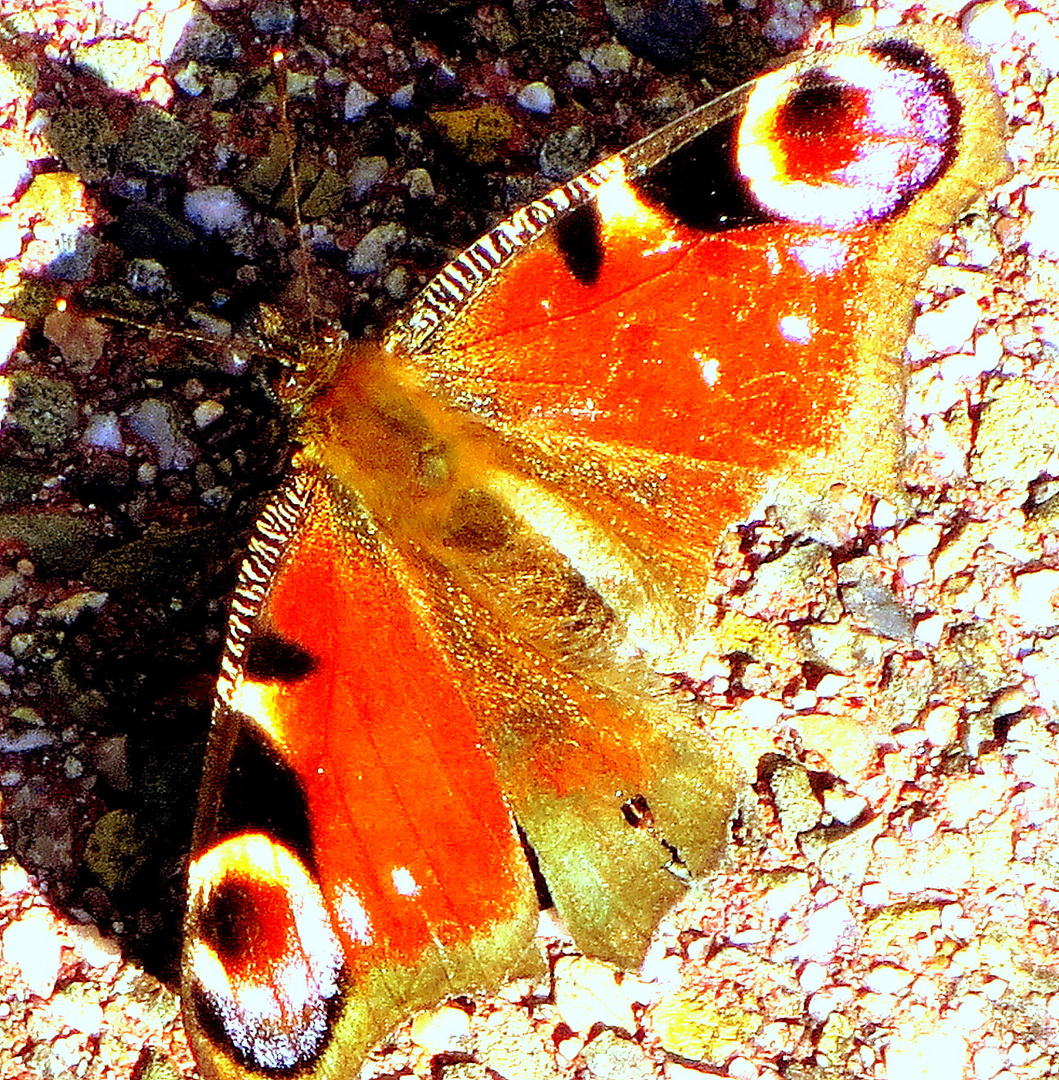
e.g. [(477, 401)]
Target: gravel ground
[(889, 905)]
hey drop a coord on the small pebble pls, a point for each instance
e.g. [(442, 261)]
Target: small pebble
[(207, 412), (587, 992), (375, 250), (273, 17), (419, 184), (441, 1030), (403, 97), (102, 432), (365, 174), (536, 97), (947, 328), (358, 102), (988, 26), (31, 945), (609, 59), (741, 1069), (887, 979), (580, 74), (1040, 233), (930, 630), (216, 209)]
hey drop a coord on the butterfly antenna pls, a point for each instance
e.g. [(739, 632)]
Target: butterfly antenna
[(279, 63), (181, 335), (184, 335)]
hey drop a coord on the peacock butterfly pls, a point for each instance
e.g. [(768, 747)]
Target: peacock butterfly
[(497, 532)]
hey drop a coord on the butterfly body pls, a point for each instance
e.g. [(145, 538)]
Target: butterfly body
[(499, 530)]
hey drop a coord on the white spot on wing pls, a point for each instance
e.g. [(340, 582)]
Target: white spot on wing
[(353, 917), (796, 328), (709, 367), (670, 243), (823, 255), (403, 882)]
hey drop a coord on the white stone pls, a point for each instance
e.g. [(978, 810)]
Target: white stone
[(403, 96), (31, 945), (536, 97), (761, 712), (358, 102), (915, 571), (10, 240), (609, 58), (441, 1030), (372, 254), (13, 880), (365, 174), (930, 630), (884, 516), (14, 171), (419, 184), (832, 999), (826, 929), (1040, 234), (932, 1055), (189, 79), (843, 807), (1036, 596), (947, 328), (123, 11), (831, 685), (78, 1012), (988, 26), (96, 950), (207, 412), (10, 334), (971, 1012), (789, 22), (741, 1069), (216, 209), (580, 74), (102, 431), (587, 992), (887, 979), (153, 421)]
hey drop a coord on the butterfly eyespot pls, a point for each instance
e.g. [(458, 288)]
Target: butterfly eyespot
[(265, 964), (850, 141)]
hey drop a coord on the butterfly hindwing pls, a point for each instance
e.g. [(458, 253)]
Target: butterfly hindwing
[(497, 534), (359, 856)]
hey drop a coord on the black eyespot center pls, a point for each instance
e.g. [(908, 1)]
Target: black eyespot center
[(227, 922)]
